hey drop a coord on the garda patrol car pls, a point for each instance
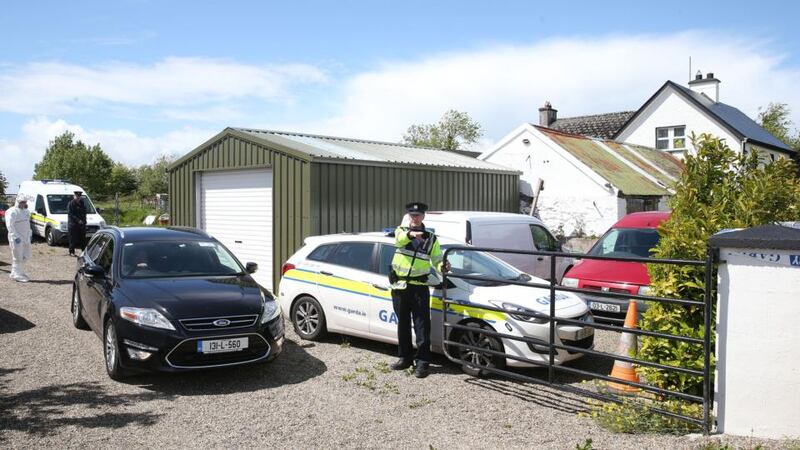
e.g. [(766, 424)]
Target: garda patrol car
[(339, 283), (48, 205)]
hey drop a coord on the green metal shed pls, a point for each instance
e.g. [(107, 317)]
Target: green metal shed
[(262, 192)]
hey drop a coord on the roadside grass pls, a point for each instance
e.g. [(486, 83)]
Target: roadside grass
[(131, 212)]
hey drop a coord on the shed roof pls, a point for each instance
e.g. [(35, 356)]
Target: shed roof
[(617, 172), (347, 150), (596, 125)]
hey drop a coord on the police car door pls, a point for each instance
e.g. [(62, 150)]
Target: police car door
[(382, 320), (344, 285)]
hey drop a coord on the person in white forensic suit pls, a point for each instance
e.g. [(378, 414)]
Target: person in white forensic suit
[(18, 223)]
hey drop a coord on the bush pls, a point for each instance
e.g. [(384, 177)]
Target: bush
[(634, 416), (718, 189)]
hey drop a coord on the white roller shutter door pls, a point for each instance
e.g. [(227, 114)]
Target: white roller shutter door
[(235, 207)]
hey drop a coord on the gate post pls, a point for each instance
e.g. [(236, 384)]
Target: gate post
[(757, 388)]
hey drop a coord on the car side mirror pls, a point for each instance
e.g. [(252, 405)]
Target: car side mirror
[(99, 210), (41, 212), (94, 270), (251, 267)]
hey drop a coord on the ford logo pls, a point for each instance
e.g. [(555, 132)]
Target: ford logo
[(222, 322)]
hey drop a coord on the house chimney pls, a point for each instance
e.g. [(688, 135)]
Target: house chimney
[(547, 115), (708, 86)]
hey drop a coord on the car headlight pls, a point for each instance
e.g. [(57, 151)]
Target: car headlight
[(102, 224), (145, 316), (512, 308), (569, 282), (62, 226), (271, 309), (645, 290)]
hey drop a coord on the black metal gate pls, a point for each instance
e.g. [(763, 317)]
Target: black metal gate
[(552, 368)]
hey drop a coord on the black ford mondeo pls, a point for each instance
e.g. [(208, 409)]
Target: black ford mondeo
[(172, 299)]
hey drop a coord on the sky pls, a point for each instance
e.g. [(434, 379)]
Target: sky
[(145, 78)]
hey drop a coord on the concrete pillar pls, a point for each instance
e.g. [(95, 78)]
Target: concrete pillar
[(757, 385)]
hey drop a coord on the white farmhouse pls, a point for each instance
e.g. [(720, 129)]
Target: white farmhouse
[(589, 183), (674, 112)]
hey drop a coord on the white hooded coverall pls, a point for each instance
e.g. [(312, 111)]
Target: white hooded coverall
[(18, 223)]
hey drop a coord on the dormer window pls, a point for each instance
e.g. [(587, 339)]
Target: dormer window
[(671, 138)]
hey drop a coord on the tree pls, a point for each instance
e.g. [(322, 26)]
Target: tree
[(453, 131), (66, 159), (776, 118), (153, 178), (3, 184), (123, 180), (718, 189)]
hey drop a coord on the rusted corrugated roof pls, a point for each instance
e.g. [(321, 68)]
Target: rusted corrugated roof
[(663, 160), (641, 162), (622, 176)]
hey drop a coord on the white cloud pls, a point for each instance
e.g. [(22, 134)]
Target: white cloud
[(59, 88), (503, 86), (121, 145)]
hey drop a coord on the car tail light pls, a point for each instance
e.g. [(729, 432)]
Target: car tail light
[(287, 267)]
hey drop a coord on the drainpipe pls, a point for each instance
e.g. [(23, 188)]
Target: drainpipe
[(744, 148)]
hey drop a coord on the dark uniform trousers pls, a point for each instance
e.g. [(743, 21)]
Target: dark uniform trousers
[(413, 302), (77, 234)]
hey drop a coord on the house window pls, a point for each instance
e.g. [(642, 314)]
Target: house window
[(640, 204), (671, 138)]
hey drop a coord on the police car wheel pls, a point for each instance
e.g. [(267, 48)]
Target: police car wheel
[(48, 235), (308, 318), (476, 359), (77, 315)]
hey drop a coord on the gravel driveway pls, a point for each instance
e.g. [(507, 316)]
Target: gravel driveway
[(339, 393)]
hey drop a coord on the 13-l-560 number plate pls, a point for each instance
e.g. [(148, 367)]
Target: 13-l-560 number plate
[(222, 345)]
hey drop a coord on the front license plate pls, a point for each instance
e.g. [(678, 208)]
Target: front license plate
[(583, 333), (609, 307), (222, 345)]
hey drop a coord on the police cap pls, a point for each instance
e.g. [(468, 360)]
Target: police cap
[(78, 193), (416, 208)]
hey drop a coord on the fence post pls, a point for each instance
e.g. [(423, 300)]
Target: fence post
[(116, 209), (707, 342), (551, 367)]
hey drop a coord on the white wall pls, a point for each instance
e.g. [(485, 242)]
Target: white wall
[(671, 109), (570, 196), (758, 369)]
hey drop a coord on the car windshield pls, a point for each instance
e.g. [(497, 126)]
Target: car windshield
[(468, 262), (58, 203), (626, 242), (162, 259)]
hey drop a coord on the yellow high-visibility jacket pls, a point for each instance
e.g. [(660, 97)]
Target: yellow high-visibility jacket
[(413, 265)]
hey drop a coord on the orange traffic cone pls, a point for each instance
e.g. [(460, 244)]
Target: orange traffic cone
[(623, 370)]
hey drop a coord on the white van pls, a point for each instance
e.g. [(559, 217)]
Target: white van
[(48, 203), (503, 230)]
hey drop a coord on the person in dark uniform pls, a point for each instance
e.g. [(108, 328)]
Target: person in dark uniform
[(76, 222), (417, 251)]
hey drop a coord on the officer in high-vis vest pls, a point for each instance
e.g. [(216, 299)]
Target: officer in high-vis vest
[(417, 251)]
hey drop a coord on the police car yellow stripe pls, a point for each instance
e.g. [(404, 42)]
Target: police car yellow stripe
[(44, 219), (366, 289)]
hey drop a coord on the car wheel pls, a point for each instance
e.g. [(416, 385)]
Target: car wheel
[(476, 361), (111, 352), (48, 236), (308, 318), (77, 314)]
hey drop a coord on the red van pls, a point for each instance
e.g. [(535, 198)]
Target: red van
[(634, 235)]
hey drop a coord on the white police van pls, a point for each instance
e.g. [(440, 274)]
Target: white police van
[(339, 283), (48, 200)]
